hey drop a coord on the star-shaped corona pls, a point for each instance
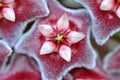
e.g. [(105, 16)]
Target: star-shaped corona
[(111, 5), (59, 38), (7, 10)]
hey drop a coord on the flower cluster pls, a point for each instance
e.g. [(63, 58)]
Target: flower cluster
[(44, 40)]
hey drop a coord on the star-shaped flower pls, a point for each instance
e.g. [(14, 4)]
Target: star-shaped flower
[(59, 38), (15, 15), (53, 66), (105, 18), (7, 10)]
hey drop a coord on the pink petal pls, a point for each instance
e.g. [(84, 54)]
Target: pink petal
[(105, 23), (30, 9), (53, 66), (112, 61), (24, 13), (65, 52), (5, 52), (118, 12), (8, 13), (46, 30), (107, 5), (63, 23), (74, 36), (21, 67), (7, 1), (47, 47), (88, 74)]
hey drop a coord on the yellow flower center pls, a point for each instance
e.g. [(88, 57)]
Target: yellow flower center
[(59, 38), (7, 4), (1, 4), (118, 1)]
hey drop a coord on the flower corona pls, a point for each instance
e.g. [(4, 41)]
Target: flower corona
[(59, 38), (113, 5)]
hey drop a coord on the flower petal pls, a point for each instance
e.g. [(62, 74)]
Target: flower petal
[(107, 5), (118, 12), (5, 52), (21, 67), (105, 23), (47, 48), (63, 23), (96, 73), (8, 13), (74, 36), (112, 61), (7, 1), (46, 30), (65, 52), (24, 13)]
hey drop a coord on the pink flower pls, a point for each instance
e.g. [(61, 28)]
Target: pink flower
[(54, 35), (105, 18), (59, 38), (15, 15)]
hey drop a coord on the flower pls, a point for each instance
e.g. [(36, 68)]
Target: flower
[(53, 66), (59, 38), (105, 23), (15, 15), (109, 70)]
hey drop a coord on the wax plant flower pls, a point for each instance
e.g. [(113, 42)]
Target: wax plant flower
[(59, 38), (105, 18), (44, 40), (107, 71), (59, 42), (17, 14)]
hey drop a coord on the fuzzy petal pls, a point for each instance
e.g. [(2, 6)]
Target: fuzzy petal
[(53, 66), (88, 74), (21, 67), (5, 52), (74, 36), (47, 48), (25, 11), (63, 23), (112, 61), (8, 13), (46, 30), (105, 23)]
